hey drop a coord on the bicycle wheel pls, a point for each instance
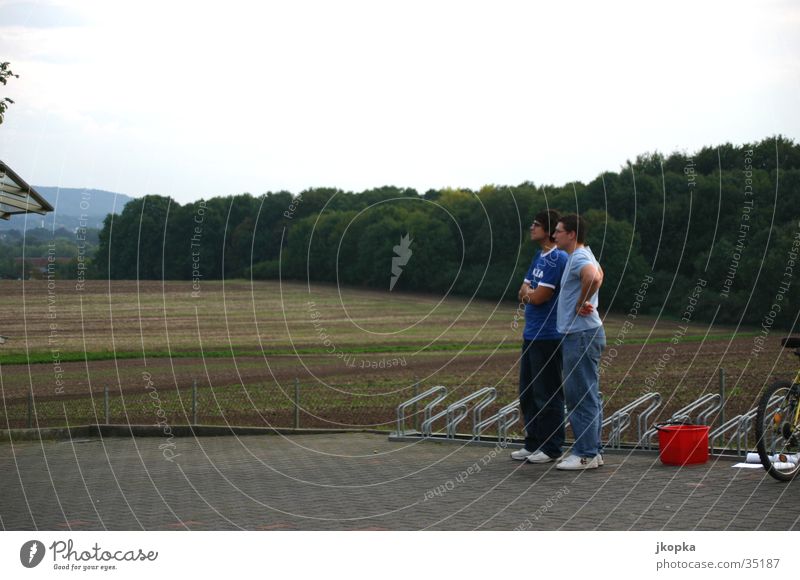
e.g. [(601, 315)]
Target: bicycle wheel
[(777, 435)]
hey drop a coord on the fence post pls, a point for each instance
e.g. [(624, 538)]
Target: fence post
[(416, 410), (194, 401), (106, 406), (30, 408), (296, 403), (722, 396)]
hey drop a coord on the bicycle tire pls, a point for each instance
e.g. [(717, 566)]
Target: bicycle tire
[(769, 433)]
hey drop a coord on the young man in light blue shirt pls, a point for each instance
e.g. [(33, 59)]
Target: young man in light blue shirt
[(583, 343)]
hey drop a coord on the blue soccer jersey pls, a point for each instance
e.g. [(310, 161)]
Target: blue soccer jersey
[(540, 319)]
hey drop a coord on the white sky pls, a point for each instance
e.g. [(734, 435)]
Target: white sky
[(201, 99)]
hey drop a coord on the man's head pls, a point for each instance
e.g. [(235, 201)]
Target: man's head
[(570, 232), (543, 225)]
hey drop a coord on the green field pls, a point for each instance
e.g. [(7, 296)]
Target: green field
[(355, 353)]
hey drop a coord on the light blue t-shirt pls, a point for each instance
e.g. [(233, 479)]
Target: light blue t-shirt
[(568, 320)]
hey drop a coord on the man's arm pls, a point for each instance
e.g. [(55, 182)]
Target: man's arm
[(523, 290), (537, 296), (591, 280)]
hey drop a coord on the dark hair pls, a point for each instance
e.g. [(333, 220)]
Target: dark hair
[(549, 219), (575, 223)]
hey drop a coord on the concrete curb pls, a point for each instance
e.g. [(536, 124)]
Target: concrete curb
[(89, 431), (100, 431)]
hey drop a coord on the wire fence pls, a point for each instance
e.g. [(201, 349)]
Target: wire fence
[(294, 405), (290, 405)]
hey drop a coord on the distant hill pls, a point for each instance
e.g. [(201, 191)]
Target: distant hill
[(69, 204)]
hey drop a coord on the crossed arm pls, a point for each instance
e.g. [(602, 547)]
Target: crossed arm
[(538, 295), (591, 280)]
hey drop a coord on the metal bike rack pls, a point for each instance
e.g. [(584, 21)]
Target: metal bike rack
[(714, 405), (740, 426), (708, 404), (621, 419), (732, 437), (426, 429), (456, 412), (439, 393), (504, 419), (506, 422)]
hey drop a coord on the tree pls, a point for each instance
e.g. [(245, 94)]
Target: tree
[(5, 74), (131, 244), (617, 247)]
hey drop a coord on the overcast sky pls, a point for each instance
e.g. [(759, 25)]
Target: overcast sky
[(201, 99)]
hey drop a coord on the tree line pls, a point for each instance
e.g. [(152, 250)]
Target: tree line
[(725, 216), (24, 254)]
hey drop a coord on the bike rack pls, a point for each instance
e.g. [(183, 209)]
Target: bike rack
[(458, 411), (741, 424), (504, 418), (641, 410), (621, 419), (440, 392), (426, 429), (714, 405), (709, 403), (505, 424)]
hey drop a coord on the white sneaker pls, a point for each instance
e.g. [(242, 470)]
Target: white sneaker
[(521, 454), (540, 457), (600, 462), (575, 463)]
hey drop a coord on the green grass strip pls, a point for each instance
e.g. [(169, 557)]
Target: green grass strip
[(39, 357)]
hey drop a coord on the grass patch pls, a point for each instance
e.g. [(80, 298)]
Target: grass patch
[(39, 357), (231, 404)]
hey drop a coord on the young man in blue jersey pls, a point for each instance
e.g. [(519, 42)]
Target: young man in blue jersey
[(583, 343), (541, 396)]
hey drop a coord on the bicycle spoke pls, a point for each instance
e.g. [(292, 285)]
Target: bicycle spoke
[(777, 430)]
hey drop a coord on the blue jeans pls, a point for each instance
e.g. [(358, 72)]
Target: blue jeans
[(581, 352)]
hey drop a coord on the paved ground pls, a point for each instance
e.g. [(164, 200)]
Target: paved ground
[(363, 481)]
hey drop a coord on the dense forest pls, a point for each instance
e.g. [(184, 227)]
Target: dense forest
[(715, 230), (28, 253)]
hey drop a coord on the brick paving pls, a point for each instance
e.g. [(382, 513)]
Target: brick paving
[(361, 481)]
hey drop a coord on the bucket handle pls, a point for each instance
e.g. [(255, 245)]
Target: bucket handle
[(671, 422)]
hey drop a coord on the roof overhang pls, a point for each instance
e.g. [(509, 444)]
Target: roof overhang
[(17, 197)]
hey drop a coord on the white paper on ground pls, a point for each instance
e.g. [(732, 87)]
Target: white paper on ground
[(754, 458), (776, 465)]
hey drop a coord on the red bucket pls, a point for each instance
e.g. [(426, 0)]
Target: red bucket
[(683, 444)]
